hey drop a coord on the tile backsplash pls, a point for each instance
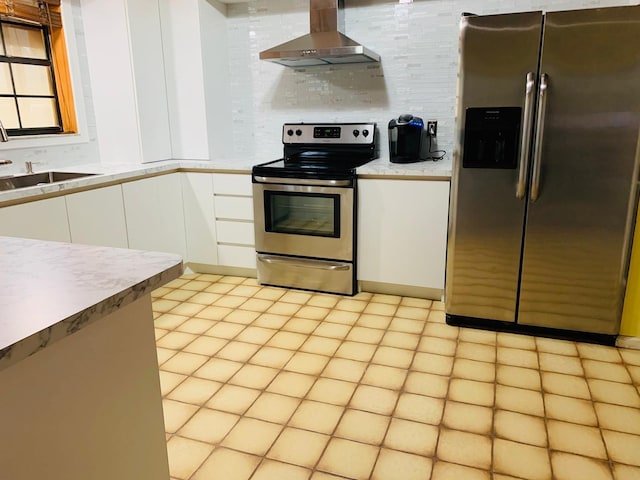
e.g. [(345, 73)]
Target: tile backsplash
[(418, 43)]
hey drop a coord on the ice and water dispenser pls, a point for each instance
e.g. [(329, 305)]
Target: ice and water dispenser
[(491, 137)]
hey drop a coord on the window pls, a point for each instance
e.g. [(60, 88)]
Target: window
[(35, 91)]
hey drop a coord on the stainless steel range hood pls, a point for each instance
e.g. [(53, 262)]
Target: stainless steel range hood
[(325, 44)]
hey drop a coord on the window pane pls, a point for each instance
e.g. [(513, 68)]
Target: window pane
[(24, 42), (38, 112), (8, 113), (5, 79), (32, 79)]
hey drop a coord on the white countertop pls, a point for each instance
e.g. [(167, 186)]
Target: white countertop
[(427, 170), (49, 290), (109, 174)]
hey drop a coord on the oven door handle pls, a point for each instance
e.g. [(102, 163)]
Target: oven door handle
[(304, 262), (303, 181)]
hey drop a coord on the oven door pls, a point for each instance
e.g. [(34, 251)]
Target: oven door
[(307, 218)]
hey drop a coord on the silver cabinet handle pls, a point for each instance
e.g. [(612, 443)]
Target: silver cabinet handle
[(303, 181), (537, 147), (304, 262), (525, 143)]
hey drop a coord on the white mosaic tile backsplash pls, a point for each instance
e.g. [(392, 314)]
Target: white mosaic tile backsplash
[(418, 43)]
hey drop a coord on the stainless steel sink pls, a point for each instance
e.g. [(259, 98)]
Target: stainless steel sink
[(42, 178)]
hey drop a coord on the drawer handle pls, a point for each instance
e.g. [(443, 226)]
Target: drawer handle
[(304, 263)]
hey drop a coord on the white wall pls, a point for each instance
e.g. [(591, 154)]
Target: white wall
[(418, 43)]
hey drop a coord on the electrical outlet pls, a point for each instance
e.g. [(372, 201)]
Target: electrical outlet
[(432, 127)]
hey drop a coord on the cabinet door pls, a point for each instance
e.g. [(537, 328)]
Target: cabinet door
[(238, 233), (233, 203), (232, 184), (238, 208), (199, 218), (41, 220), (96, 217), (155, 219), (402, 228)]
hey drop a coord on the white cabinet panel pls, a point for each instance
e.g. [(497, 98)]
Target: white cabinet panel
[(125, 60), (402, 230), (96, 217), (237, 256), (235, 232), (41, 220), (232, 184), (155, 218), (199, 218), (150, 85), (240, 208)]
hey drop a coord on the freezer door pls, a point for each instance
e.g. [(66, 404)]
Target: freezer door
[(498, 64), (584, 171)]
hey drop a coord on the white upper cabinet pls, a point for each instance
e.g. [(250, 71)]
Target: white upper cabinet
[(126, 65)]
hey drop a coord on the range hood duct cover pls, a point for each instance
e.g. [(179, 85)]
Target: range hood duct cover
[(325, 44)]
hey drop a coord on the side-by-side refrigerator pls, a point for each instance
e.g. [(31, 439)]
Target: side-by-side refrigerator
[(544, 185)]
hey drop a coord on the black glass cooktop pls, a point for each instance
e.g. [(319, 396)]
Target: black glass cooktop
[(316, 164)]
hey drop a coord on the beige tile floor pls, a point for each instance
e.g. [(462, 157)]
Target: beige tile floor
[(267, 383)]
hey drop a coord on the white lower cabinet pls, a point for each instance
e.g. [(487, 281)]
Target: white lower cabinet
[(199, 218), (96, 217), (233, 204), (402, 232), (40, 220), (154, 213)]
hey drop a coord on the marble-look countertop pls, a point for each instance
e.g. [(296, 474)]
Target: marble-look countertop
[(110, 174), (426, 170), (49, 290)]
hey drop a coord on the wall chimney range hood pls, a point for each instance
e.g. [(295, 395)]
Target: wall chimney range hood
[(325, 44)]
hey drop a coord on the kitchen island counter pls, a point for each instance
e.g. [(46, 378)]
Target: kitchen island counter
[(80, 389), (49, 290)]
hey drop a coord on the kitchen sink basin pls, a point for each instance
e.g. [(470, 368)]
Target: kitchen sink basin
[(42, 178)]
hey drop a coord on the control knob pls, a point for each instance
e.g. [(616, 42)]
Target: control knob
[(356, 133), (289, 132), (365, 133), (298, 132)]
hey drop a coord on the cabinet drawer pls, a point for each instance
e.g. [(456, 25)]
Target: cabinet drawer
[(236, 256), (235, 232), (232, 184), (237, 208)]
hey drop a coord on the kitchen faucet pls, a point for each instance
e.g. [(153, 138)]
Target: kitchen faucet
[(4, 138), (3, 133)]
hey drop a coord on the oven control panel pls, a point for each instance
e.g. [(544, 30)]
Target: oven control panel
[(329, 133)]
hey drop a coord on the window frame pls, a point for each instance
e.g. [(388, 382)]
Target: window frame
[(66, 51), (49, 63)]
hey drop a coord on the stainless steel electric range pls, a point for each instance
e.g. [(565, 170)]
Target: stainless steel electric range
[(305, 207)]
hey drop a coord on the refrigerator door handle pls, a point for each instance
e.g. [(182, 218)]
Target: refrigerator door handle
[(537, 147), (525, 144)]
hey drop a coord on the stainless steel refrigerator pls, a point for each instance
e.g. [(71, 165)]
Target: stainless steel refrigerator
[(545, 172)]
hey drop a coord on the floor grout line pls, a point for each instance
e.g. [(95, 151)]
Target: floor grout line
[(396, 334)]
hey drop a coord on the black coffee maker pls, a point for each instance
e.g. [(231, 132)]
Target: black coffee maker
[(406, 139)]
